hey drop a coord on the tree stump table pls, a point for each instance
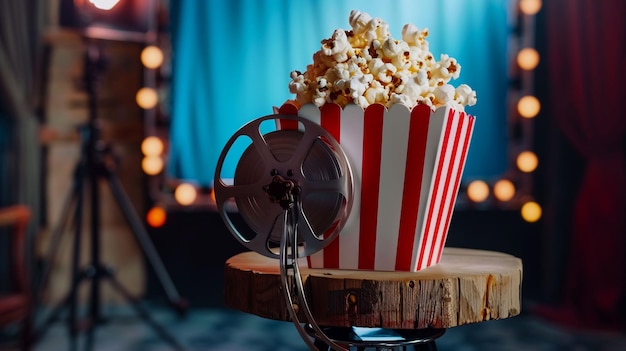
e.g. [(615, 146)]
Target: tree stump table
[(467, 286)]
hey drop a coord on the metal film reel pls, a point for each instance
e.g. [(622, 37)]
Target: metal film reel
[(293, 190), (305, 169)]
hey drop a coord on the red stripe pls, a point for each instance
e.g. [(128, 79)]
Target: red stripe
[(331, 121), (370, 180), (446, 186), (468, 135), (433, 195), (414, 170), (288, 109)]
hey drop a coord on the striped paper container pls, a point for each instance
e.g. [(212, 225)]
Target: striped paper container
[(407, 167)]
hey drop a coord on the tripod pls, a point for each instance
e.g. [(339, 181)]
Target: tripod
[(97, 163)]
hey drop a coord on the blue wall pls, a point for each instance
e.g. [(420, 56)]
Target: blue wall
[(232, 59)]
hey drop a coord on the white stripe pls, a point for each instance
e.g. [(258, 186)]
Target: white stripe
[(465, 136), (395, 141), (310, 112), (449, 183), (351, 140), (435, 128), (438, 193)]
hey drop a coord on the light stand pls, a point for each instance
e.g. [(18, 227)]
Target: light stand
[(97, 163)]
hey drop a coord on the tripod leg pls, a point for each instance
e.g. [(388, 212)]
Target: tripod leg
[(143, 313), (52, 317), (144, 241), (76, 273), (53, 247), (94, 297), (57, 233)]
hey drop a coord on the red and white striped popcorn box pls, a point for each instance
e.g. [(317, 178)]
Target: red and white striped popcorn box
[(407, 167)]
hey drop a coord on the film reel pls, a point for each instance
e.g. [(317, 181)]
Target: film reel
[(293, 189), (278, 169)]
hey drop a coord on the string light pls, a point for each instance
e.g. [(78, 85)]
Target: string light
[(527, 161), (156, 217), (152, 146), (528, 106), (530, 7), (531, 212), (528, 59), (152, 165), (213, 195), (504, 190), (147, 98), (152, 57), (185, 194), (478, 191)]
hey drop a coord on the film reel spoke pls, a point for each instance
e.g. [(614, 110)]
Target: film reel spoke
[(339, 186), (259, 143), (238, 191), (308, 141), (312, 242), (261, 243)]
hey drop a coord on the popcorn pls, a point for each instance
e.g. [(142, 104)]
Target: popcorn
[(367, 65)]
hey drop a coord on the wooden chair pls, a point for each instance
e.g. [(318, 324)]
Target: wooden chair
[(16, 305)]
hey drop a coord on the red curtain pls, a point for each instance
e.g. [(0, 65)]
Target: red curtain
[(586, 59)]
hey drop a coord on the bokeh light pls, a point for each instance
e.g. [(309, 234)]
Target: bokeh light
[(531, 212), (147, 98), (185, 194), (156, 217), (528, 59), (530, 7), (528, 106), (504, 190), (152, 165), (104, 4), (152, 57), (152, 146), (527, 161), (478, 191)]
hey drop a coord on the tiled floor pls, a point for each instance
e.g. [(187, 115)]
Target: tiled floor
[(220, 329)]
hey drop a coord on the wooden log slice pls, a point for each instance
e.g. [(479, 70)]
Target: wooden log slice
[(467, 286)]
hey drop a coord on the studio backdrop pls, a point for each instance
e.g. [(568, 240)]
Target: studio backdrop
[(232, 59)]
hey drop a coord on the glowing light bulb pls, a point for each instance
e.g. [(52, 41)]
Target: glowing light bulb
[(531, 212), (528, 59), (528, 106), (146, 98), (152, 165), (104, 4), (530, 7), (156, 217), (478, 191), (527, 161), (213, 195), (152, 146), (504, 190), (185, 194), (152, 57)]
